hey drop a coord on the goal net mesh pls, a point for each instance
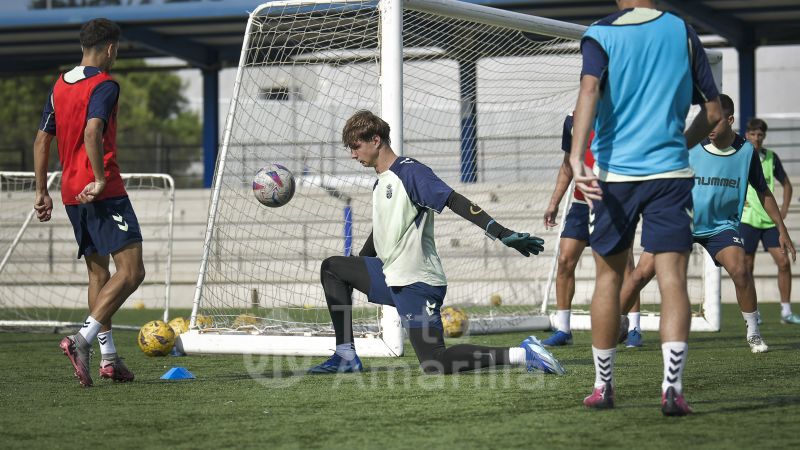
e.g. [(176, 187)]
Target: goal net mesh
[(42, 283), (305, 69)]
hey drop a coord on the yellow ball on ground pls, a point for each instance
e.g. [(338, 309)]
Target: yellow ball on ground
[(156, 338), (245, 320), (203, 321), (138, 304), (455, 321), (179, 325), (496, 300)]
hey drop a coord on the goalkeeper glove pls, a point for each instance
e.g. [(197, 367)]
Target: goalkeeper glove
[(524, 243)]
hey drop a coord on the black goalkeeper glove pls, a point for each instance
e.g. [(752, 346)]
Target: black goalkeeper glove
[(521, 242), (524, 243)]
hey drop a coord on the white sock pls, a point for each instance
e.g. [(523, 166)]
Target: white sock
[(603, 366), (516, 356), (634, 317), (751, 320), (674, 354), (786, 309), (347, 351), (107, 348), (562, 320), (90, 329)]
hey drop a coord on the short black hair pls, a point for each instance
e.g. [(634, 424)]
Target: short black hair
[(727, 105), (98, 33), (756, 124)]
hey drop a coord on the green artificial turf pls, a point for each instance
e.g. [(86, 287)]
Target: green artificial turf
[(741, 400)]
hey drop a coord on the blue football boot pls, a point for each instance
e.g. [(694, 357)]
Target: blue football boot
[(635, 338), (557, 339), (337, 364), (539, 358)]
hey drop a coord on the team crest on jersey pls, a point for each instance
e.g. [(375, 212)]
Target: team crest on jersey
[(388, 191)]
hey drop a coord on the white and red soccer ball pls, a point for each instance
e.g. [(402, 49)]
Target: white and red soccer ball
[(273, 185)]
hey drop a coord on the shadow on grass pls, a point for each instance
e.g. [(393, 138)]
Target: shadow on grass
[(754, 404), (281, 374)]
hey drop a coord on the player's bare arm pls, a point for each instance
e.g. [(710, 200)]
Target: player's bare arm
[(43, 204), (525, 243), (787, 196), (771, 208), (585, 110), (93, 137), (562, 183), (705, 121)]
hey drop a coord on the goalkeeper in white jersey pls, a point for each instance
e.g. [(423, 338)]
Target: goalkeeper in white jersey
[(399, 265)]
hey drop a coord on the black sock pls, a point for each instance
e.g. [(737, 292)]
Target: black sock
[(339, 275), (434, 357)]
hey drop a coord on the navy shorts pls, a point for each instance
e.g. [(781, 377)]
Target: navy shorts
[(715, 243), (752, 236), (104, 226), (576, 225), (419, 305), (666, 209)]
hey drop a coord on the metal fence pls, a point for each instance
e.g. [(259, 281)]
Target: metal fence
[(183, 161)]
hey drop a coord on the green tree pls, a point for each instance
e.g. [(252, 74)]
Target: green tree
[(156, 131), (21, 103)]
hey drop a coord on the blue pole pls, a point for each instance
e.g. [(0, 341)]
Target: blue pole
[(469, 121), (747, 86), (348, 230), (210, 124)]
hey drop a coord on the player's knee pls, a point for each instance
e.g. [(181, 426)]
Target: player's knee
[(642, 276), (328, 266), (783, 264), (741, 276), (566, 264), (99, 276), (433, 367), (138, 274)]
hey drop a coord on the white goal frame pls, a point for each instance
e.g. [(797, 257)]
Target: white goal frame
[(24, 226), (390, 342)]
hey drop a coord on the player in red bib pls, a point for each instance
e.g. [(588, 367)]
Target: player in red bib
[(81, 113)]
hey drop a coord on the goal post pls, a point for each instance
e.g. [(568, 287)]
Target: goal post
[(478, 94), (43, 286)]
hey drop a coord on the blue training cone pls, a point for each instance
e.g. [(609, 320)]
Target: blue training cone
[(178, 373)]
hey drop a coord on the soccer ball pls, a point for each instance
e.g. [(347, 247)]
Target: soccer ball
[(156, 338), (245, 321), (454, 321), (203, 321), (179, 325), (273, 185)]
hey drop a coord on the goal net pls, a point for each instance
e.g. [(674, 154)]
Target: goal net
[(42, 284), (476, 93)]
